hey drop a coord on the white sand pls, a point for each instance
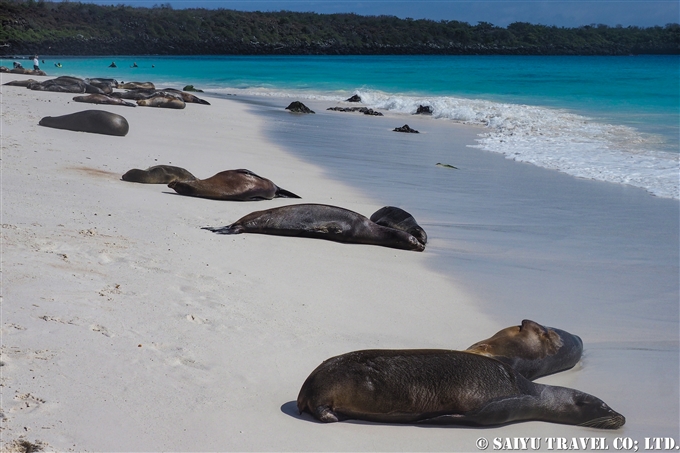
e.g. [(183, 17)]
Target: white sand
[(125, 327)]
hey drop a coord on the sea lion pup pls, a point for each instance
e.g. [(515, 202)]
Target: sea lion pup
[(159, 174), (393, 217), (102, 99), (441, 387), (95, 121), (234, 185), (321, 222), (163, 100), (532, 349)]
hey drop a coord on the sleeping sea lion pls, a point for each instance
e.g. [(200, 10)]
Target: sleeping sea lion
[(102, 99), (393, 217), (136, 85), (21, 83), (162, 100), (532, 349), (159, 174), (234, 185), (441, 387), (95, 121), (321, 222), (188, 97)]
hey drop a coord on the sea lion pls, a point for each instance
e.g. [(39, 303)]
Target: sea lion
[(95, 121), (532, 349), (21, 83), (393, 217), (136, 85), (159, 174), (321, 222), (134, 94), (187, 97), (102, 99), (234, 185), (162, 100), (441, 387)]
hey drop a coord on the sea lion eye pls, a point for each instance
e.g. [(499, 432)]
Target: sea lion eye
[(580, 403)]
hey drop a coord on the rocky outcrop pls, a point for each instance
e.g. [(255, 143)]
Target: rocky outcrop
[(299, 107), (406, 128)]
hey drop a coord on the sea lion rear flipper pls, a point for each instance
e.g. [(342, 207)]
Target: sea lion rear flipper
[(283, 193), (229, 229)]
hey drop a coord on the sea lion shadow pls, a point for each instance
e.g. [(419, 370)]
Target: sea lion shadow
[(290, 408)]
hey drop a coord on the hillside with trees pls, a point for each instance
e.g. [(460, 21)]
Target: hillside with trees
[(73, 28)]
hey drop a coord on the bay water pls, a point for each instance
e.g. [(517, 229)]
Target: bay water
[(614, 119)]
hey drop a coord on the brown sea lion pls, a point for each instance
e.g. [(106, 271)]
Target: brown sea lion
[(441, 387), (532, 349), (234, 185), (162, 100), (102, 99), (321, 222), (393, 217), (188, 97), (159, 174), (95, 121), (136, 85), (134, 94)]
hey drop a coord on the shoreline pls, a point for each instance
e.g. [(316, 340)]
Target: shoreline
[(230, 327)]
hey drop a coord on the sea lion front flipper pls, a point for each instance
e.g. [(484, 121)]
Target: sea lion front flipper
[(447, 419)]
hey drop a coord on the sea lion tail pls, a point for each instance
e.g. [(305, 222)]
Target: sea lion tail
[(229, 229), (283, 193)]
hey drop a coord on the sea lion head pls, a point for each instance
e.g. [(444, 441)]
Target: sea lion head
[(532, 349), (578, 408)]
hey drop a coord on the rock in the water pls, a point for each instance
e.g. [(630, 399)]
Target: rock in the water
[(406, 128), (299, 107), (364, 110), (424, 110), (354, 98), (191, 88)]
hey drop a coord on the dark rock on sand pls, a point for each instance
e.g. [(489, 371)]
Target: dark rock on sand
[(364, 110), (299, 107), (354, 98), (406, 128), (191, 88)]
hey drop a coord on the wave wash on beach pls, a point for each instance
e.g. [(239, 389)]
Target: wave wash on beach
[(612, 119)]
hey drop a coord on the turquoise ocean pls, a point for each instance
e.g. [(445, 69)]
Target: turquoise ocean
[(613, 119)]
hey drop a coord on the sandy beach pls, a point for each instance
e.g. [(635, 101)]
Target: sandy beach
[(126, 327)]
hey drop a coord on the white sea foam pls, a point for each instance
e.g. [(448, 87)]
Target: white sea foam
[(545, 137)]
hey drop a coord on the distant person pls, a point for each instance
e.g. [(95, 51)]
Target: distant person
[(17, 65), (36, 63), (113, 65), (58, 65), (134, 65), (153, 65)]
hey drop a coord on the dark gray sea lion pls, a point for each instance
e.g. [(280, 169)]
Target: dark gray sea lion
[(321, 222), (532, 349), (134, 94), (136, 85), (163, 100), (159, 174), (95, 121), (21, 83), (441, 387), (102, 99), (393, 217), (234, 185)]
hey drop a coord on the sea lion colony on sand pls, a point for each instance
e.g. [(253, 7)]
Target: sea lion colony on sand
[(488, 384)]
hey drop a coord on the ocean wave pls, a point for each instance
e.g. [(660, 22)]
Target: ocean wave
[(546, 137)]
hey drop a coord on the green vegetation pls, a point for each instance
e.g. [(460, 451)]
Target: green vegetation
[(73, 28)]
